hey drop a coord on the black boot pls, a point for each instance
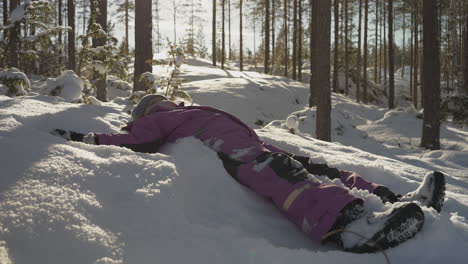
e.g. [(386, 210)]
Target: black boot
[(381, 230), (430, 193), (348, 214)]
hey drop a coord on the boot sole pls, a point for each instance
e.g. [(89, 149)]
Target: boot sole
[(403, 223), (438, 196)]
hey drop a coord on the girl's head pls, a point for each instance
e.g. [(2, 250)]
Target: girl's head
[(152, 103)]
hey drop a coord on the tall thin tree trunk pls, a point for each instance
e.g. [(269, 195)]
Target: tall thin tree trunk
[(100, 18), (273, 51), (346, 44), (416, 57), (294, 42), (286, 51), (358, 64), (385, 52), (465, 83), (391, 56), (412, 55), (143, 42), (60, 20), (320, 56), (229, 26), (127, 51), (403, 52), (299, 41), (376, 40), (267, 37), (5, 16), (381, 53), (223, 34), (364, 68), (213, 35), (431, 74), (336, 8), (241, 46), (71, 35), (14, 32)]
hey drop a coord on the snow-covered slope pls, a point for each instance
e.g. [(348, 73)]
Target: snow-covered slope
[(67, 202)]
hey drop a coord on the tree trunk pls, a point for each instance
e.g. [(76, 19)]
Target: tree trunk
[(267, 36), (358, 64), (320, 56), (416, 57), (229, 26), (213, 35), (60, 21), (273, 51), (286, 51), (143, 42), (223, 34), (101, 19), (13, 47), (431, 74), (412, 55), (364, 68), (346, 44), (385, 53), (465, 83), (241, 53), (5, 16), (391, 56), (376, 59), (336, 13), (299, 41), (403, 52), (127, 50), (71, 35), (294, 42)]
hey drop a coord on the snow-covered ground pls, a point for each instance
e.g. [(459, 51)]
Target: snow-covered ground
[(67, 202)]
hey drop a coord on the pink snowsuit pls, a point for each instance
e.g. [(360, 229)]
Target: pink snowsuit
[(263, 168)]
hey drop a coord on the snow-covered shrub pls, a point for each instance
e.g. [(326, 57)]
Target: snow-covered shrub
[(149, 80), (457, 108), (16, 82), (170, 87), (117, 88), (68, 86)]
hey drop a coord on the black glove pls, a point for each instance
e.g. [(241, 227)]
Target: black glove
[(68, 135), (386, 195), (89, 138), (318, 169)]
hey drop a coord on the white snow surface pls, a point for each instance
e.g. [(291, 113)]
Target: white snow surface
[(68, 202)]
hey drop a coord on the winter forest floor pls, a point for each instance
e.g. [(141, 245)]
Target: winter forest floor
[(67, 202)]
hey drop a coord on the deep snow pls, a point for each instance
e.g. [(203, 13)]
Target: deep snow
[(67, 202)]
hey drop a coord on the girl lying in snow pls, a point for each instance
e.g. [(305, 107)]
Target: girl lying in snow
[(293, 183)]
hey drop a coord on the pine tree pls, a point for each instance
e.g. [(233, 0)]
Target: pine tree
[(364, 67), (391, 65), (14, 34), (241, 44), (358, 64), (336, 5), (320, 75), (213, 35), (223, 34), (286, 51), (71, 35), (431, 74), (143, 42), (267, 36), (125, 10)]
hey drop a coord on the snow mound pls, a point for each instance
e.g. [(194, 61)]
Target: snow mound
[(68, 86)]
